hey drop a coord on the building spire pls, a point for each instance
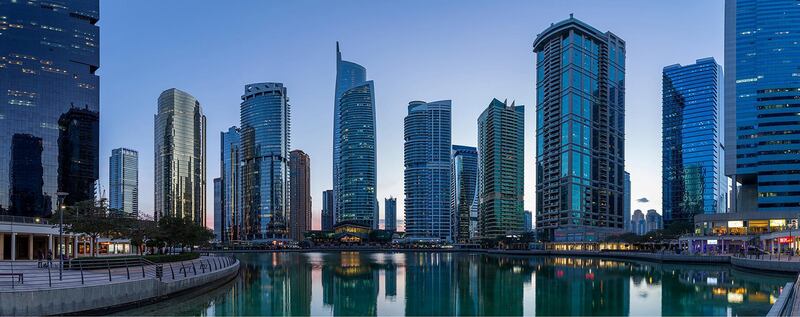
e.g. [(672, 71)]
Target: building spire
[(338, 53)]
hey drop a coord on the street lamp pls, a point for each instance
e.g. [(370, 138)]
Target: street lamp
[(61, 246)]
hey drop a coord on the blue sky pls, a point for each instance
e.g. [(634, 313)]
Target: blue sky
[(467, 51)]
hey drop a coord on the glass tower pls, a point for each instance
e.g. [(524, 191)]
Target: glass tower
[(219, 216), (300, 211), (464, 179), (693, 180), (390, 214), (230, 186), (180, 157), (501, 143), (264, 150), (348, 75), (626, 215), (580, 132), (123, 178), (327, 220), (49, 106), (427, 169), (762, 80)]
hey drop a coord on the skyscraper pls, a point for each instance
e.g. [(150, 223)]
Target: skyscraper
[(390, 214), (123, 179), (527, 224), (300, 205), (693, 180), (654, 220), (501, 142), (264, 161), (327, 220), (464, 181), (354, 145), (638, 222), (50, 98), (627, 201), (219, 215), (762, 85), (180, 157), (427, 169), (580, 132), (231, 221)]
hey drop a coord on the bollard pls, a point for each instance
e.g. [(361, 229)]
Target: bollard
[(80, 267), (108, 266)]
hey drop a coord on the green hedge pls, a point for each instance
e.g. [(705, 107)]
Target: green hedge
[(164, 258)]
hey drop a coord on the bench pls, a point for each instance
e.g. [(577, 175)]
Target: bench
[(20, 277)]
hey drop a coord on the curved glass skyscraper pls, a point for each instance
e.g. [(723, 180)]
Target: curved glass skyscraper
[(693, 180), (49, 105), (230, 186), (354, 145), (463, 210), (265, 157), (762, 89), (427, 169), (180, 157)]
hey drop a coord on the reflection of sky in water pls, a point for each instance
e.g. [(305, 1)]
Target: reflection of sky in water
[(353, 283)]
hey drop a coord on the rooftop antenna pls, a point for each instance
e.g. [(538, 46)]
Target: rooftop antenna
[(570, 16)]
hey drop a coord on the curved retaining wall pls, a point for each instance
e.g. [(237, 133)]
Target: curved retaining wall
[(59, 301)]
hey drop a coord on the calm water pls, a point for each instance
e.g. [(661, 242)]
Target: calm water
[(359, 283)]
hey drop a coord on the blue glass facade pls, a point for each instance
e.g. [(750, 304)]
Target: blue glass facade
[(501, 147), (219, 216), (264, 161), (580, 131), (390, 214), (327, 220), (49, 106), (627, 213), (464, 181), (348, 75), (123, 179), (427, 169), (693, 180), (762, 91), (230, 186)]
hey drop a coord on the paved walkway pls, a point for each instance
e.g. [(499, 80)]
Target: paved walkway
[(35, 278)]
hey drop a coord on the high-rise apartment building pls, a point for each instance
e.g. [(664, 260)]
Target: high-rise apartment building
[(180, 157), (627, 201), (527, 223), (693, 180), (580, 132), (327, 220), (464, 181), (219, 216), (762, 86), (426, 151), (501, 168), (231, 220), (264, 154), (354, 145), (390, 214), (123, 179), (654, 221), (49, 136), (300, 205)]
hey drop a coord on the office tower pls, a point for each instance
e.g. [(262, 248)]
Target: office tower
[(580, 136), (49, 59), (123, 179), (300, 194), (693, 180), (354, 146), (627, 201), (231, 220), (527, 223), (501, 147), (427, 169), (638, 222), (653, 221), (180, 157), (762, 85), (327, 220), (219, 216), (390, 214), (464, 181), (264, 161)]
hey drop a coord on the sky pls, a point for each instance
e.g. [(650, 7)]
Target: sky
[(467, 51)]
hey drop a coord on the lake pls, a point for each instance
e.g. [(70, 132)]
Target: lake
[(434, 283)]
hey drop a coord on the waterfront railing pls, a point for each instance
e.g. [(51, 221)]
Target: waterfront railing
[(32, 275)]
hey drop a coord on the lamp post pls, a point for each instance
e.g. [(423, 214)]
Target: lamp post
[(61, 246)]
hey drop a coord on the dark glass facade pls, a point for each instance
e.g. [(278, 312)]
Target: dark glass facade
[(123, 181), (427, 169), (300, 179), (464, 181), (49, 103), (390, 214), (230, 186), (693, 180), (265, 157), (327, 220), (580, 132), (762, 89)]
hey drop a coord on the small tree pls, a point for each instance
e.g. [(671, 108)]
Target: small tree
[(87, 218)]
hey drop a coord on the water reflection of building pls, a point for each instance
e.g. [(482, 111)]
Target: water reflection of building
[(78, 154), (429, 284), (593, 287), (390, 277), (350, 285), (26, 177), (501, 285)]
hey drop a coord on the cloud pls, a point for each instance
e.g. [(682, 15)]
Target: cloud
[(643, 200)]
